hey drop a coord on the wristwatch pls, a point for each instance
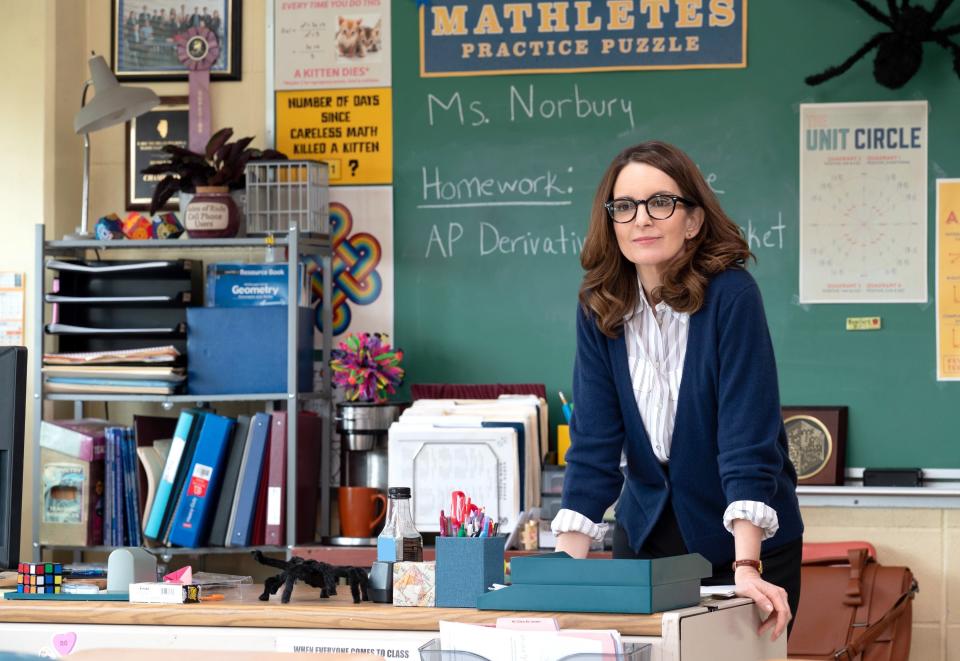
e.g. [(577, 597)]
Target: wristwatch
[(756, 564)]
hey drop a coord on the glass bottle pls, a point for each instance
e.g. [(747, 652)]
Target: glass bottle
[(400, 541)]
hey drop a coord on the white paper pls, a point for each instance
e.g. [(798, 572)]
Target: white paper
[(718, 591), (863, 202), (447, 460), (497, 644)]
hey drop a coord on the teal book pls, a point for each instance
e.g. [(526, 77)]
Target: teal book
[(185, 425), (193, 516)]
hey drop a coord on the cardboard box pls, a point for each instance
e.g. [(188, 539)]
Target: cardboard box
[(244, 350), (71, 497), (414, 584)]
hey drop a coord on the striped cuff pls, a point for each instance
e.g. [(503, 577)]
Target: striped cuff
[(760, 515), (570, 521)]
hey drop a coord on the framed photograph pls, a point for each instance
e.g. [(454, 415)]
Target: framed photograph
[(147, 37), (817, 440), (167, 124)]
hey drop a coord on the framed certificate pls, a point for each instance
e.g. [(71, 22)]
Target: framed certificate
[(167, 124), (817, 440), (148, 37)]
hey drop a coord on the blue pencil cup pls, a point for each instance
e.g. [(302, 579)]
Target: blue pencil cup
[(466, 567)]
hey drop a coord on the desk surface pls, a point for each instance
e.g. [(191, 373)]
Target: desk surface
[(305, 611)]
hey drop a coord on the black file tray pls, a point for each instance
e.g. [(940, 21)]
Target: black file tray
[(168, 285)]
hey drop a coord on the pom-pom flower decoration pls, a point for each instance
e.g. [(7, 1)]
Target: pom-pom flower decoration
[(367, 368)]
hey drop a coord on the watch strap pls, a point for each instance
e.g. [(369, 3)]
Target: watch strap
[(756, 564)]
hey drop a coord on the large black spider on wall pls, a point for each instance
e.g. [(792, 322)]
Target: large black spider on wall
[(899, 50)]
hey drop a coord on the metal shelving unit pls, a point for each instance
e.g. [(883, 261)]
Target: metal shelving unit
[(298, 245)]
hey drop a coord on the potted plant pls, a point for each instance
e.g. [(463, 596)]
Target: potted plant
[(209, 176)]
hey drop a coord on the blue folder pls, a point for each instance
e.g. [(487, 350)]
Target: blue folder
[(201, 486)]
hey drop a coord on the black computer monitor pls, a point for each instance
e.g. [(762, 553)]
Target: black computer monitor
[(13, 386)]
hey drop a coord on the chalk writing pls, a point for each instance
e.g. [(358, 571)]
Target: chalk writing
[(490, 239), (525, 104), (544, 189)]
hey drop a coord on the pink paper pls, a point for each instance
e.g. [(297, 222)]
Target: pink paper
[(182, 576)]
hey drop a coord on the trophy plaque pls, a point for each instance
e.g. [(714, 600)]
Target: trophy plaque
[(817, 438)]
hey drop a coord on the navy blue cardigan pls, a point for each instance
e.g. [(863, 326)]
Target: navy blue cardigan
[(728, 441)]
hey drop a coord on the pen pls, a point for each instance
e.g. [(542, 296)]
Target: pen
[(443, 524), (567, 408)]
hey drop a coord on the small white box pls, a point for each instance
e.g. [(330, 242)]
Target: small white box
[(163, 593)]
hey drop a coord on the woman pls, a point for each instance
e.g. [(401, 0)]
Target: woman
[(675, 371)]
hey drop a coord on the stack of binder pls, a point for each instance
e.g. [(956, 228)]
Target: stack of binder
[(491, 449), (103, 306), (223, 481)]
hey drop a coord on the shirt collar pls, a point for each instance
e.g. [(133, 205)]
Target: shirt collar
[(662, 307)]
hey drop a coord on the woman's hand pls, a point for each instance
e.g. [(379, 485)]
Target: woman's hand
[(574, 544), (770, 599)]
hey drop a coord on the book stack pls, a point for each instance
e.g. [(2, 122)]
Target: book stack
[(151, 370), (223, 481), (121, 516)]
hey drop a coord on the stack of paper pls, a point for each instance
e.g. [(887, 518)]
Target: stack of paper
[(536, 644), (136, 371), (490, 449)]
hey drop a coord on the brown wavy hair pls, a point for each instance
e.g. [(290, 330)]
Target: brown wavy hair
[(610, 289)]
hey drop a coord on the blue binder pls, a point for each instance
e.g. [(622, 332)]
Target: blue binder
[(240, 528), (201, 486)]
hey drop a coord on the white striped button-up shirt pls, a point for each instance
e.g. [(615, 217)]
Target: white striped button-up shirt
[(656, 339)]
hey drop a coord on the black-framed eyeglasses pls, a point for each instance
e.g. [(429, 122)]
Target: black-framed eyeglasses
[(659, 207)]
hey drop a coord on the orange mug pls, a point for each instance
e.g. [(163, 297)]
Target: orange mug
[(358, 510)]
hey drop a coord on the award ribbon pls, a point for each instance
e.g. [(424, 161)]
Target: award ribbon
[(198, 49)]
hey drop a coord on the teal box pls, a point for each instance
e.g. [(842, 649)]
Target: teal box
[(558, 583), (561, 569), (466, 568)]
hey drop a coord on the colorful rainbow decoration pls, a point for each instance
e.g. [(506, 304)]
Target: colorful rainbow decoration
[(367, 368), (355, 279)]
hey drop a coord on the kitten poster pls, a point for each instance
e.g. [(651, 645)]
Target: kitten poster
[(331, 44)]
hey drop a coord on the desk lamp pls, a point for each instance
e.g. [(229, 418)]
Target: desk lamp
[(112, 104)]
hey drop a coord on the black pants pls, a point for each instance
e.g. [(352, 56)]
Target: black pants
[(781, 566)]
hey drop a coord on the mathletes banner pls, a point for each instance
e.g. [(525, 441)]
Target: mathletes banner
[(491, 38)]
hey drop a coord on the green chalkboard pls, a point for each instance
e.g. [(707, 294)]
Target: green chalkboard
[(487, 293)]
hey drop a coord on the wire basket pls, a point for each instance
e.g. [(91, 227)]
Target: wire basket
[(283, 194)]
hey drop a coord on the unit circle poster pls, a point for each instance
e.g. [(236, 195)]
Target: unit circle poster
[(322, 44), (863, 202)]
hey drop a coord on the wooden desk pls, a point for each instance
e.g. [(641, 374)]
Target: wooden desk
[(712, 631)]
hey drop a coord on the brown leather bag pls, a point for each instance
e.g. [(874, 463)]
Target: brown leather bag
[(853, 609)]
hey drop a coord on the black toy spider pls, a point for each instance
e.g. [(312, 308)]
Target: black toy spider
[(315, 574), (900, 51)]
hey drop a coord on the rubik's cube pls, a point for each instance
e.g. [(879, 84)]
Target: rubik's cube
[(40, 578)]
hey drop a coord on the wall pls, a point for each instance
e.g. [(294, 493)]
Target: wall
[(237, 104), (26, 160)]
